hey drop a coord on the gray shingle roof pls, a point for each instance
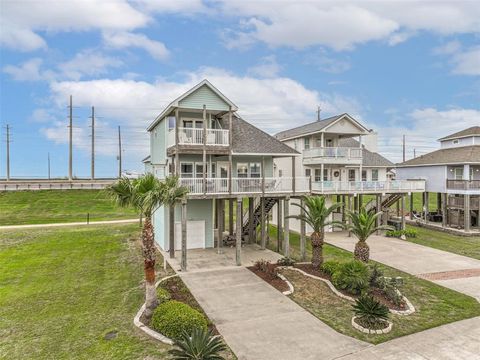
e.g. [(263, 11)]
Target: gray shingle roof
[(471, 131), (454, 155), (248, 139), (307, 128), (369, 158)]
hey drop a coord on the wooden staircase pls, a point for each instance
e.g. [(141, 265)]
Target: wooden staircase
[(257, 213), (386, 203)]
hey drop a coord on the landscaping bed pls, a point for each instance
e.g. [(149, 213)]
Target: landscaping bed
[(270, 276)]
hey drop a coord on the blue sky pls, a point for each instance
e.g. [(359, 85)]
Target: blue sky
[(408, 68)]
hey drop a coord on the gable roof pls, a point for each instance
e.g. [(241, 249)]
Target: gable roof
[(471, 131), (369, 158), (314, 127), (146, 159), (175, 103), (447, 156), (248, 139)]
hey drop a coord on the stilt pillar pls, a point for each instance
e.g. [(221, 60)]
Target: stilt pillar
[(402, 209), (230, 216), (251, 236), (378, 205), (263, 239), (466, 212), (279, 225), (238, 242), (303, 249), (183, 263), (444, 210), (220, 225), (286, 236), (411, 206)]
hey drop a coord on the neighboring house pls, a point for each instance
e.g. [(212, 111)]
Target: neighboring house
[(220, 158), (340, 156), (453, 172), (147, 164)]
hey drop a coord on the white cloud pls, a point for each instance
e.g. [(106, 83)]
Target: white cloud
[(22, 19), (120, 40), (88, 63), (467, 62), (327, 63), (448, 48), (268, 67), (342, 25), (273, 104), (29, 70)]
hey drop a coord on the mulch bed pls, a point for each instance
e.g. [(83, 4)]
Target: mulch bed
[(378, 294), (378, 326), (273, 280)]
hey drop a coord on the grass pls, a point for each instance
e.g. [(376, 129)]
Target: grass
[(435, 304), (63, 290), (462, 245), (51, 206)]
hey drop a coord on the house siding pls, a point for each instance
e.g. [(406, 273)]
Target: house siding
[(435, 176), (204, 96)]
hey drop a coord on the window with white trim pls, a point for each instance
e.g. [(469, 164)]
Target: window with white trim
[(318, 175), (186, 170), (306, 144), (374, 174), (255, 170), (242, 170)]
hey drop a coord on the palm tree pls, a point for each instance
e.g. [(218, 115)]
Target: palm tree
[(317, 215), (363, 224), (145, 194), (173, 195)]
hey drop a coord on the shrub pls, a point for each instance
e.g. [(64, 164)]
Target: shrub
[(173, 317), (352, 276), (409, 233), (390, 288), (370, 312), (376, 277), (163, 295), (330, 267), (286, 261), (200, 344), (266, 267)]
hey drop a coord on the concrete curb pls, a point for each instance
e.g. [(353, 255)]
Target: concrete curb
[(145, 328), (370, 331), (290, 286), (410, 307)]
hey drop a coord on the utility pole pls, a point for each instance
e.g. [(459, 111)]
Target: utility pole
[(48, 166), (318, 113), (403, 148), (93, 143), (119, 153), (8, 152), (70, 139), (414, 153)]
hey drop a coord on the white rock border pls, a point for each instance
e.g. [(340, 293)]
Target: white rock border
[(410, 308), (290, 286), (371, 331), (145, 328)]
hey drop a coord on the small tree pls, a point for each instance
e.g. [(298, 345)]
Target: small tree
[(145, 194), (363, 224), (201, 344), (317, 215)]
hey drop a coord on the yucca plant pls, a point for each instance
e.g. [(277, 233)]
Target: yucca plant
[(369, 312), (316, 213), (199, 345), (363, 224)]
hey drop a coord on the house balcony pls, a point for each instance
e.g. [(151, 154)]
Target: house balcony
[(195, 136), (368, 187), (459, 202), (332, 155), (269, 186), (463, 187)]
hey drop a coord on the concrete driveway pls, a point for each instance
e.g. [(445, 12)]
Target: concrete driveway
[(258, 322), (453, 271)]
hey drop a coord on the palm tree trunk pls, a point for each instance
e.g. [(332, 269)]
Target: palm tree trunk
[(171, 231), (317, 239), (149, 255), (362, 251)]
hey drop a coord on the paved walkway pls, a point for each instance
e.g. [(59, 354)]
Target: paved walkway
[(30, 226), (459, 272), (258, 322)]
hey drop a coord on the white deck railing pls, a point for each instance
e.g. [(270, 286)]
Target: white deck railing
[(194, 136), (256, 185), (333, 152), (368, 186)]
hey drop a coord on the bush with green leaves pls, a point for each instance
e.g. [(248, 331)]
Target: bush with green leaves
[(173, 317), (376, 277), (200, 344), (286, 261), (330, 267), (163, 295), (370, 313), (409, 233), (352, 276)]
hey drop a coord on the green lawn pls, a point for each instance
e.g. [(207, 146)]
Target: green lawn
[(51, 206), (63, 290), (435, 304), (462, 245)]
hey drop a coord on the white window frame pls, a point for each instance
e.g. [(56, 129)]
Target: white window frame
[(242, 164), (375, 178), (193, 169)]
